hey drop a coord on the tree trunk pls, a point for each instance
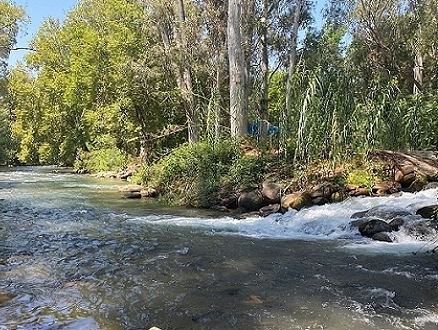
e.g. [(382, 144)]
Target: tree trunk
[(264, 68), (238, 117), (418, 72), (292, 61), (220, 78), (186, 81), (247, 32)]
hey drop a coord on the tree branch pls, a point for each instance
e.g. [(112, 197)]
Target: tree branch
[(23, 48)]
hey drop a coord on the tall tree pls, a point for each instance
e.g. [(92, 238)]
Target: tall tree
[(264, 68), (176, 47), (238, 111), (11, 17), (292, 57), (216, 26)]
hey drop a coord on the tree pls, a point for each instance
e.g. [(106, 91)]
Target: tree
[(176, 47), (11, 17), (83, 80), (238, 112), (292, 54)]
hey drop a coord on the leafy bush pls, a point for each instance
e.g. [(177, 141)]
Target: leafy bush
[(103, 156), (110, 159), (247, 172), (192, 174)]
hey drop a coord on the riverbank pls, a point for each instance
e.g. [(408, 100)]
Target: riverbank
[(382, 173)]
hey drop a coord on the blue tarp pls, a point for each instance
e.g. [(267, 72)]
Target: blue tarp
[(254, 129)]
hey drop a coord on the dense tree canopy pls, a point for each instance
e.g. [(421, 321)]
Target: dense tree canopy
[(124, 78), (11, 18)]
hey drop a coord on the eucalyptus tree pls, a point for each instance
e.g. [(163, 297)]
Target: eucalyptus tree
[(215, 20), (293, 52), (179, 35), (238, 112), (393, 48)]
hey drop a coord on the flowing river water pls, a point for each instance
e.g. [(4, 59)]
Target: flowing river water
[(75, 255)]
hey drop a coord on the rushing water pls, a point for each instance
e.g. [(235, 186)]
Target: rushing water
[(75, 255)]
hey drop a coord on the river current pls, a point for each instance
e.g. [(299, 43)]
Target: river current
[(75, 255)]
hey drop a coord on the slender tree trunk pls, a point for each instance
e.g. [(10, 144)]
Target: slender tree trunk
[(264, 68), (418, 72), (220, 78), (238, 117), (247, 32), (292, 61), (186, 81), (216, 16)]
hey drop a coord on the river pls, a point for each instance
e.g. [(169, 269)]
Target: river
[(75, 255)]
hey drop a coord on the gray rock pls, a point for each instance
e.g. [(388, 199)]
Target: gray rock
[(374, 226), (320, 201), (131, 195), (396, 224), (251, 201), (382, 237), (271, 192), (428, 212), (269, 209)]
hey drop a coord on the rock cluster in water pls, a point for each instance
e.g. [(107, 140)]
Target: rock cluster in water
[(377, 223)]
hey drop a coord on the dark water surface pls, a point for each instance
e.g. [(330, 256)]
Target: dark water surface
[(75, 255)]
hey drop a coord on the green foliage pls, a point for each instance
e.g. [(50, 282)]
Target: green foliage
[(192, 173), (11, 17), (108, 159), (103, 155), (8, 145), (360, 178), (247, 172)]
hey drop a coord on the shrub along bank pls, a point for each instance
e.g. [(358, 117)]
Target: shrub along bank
[(242, 179), (227, 176)]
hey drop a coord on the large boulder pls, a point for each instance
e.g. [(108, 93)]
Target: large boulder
[(296, 200), (385, 188), (396, 224), (428, 212), (148, 192), (271, 192), (320, 201), (251, 201), (380, 212), (374, 226), (325, 189), (360, 191), (338, 196)]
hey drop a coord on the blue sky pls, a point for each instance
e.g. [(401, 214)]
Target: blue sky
[(38, 11)]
